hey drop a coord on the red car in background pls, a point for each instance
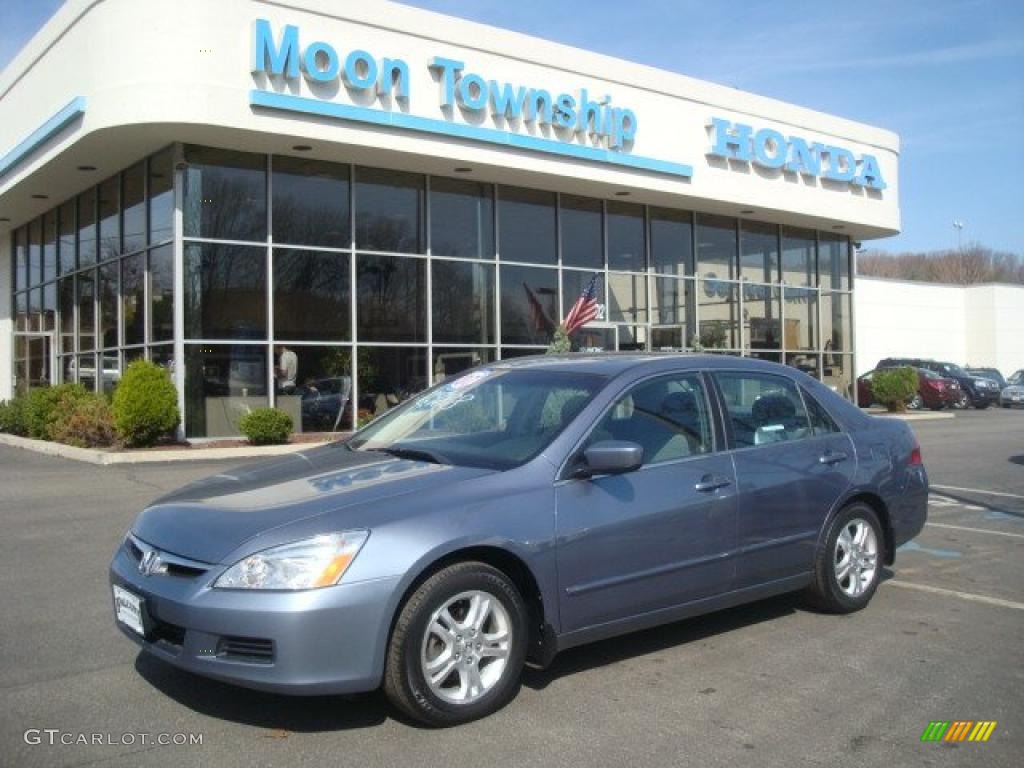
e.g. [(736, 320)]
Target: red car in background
[(933, 391)]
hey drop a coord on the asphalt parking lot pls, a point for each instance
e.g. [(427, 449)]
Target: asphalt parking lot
[(767, 684)]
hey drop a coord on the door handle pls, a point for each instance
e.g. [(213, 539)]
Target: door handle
[(709, 483), (832, 457)]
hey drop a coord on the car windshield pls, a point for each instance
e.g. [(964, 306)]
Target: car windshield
[(952, 370), (490, 417), (1016, 378)]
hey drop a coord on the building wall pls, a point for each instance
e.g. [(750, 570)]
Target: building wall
[(6, 320), (981, 325)]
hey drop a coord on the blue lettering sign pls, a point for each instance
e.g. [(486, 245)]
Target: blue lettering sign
[(769, 148)]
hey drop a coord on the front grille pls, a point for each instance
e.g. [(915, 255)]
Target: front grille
[(172, 564), (165, 633), (254, 650)]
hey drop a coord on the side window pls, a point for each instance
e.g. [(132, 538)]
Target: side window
[(668, 417), (763, 408), (821, 422)]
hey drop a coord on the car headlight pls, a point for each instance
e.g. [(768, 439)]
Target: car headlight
[(308, 564)]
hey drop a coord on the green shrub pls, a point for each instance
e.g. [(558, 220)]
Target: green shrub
[(560, 342), (42, 407), (145, 404), (894, 387), (266, 426), (12, 416), (86, 422)]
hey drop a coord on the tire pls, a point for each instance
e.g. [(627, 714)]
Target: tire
[(982, 406), (425, 633), (828, 592), (963, 403), (916, 402)]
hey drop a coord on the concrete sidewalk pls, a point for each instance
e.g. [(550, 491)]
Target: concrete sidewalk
[(153, 455)]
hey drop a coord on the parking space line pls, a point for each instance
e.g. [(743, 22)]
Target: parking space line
[(996, 601), (976, 530), (978, 490)]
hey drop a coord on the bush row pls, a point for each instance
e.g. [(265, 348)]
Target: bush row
[(144, 409)]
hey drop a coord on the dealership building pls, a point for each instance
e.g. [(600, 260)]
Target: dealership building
[(329, 206)]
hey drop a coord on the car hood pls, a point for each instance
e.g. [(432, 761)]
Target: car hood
[(209, 519)]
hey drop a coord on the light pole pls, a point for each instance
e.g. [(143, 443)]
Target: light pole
[(958, 225)]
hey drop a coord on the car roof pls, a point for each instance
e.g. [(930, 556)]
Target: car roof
[(614, 363)]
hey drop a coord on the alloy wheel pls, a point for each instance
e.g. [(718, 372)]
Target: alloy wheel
[(466, 647), (856, 557), (916, 402)]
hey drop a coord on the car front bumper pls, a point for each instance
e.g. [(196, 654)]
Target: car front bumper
[(320, 641), (985, 396)]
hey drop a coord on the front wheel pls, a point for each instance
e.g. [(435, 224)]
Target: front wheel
[(963, 402), (916, 402), (982, 406), (848, 567), (458, 646)]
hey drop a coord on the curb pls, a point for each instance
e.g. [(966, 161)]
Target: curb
[(930, 416), (106, 458)]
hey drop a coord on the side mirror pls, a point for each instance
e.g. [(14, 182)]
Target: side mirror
[(611, 457)]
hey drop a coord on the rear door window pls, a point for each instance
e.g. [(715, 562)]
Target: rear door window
[(762, 408)]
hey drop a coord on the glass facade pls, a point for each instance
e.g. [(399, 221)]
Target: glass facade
[(335, 291)]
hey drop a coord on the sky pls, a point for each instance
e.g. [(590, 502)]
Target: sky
[(946, 75)]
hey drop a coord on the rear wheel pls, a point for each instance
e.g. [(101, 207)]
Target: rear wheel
[(849, 565), (982, 406), (458, 646), (963, 402)]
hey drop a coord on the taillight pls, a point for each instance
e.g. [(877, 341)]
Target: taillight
[(915, 456)]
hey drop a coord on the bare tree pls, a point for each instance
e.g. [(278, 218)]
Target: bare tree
[(973, 264)]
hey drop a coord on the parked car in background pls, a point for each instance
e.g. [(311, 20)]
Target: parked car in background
[(987, 373), (424, 555), (933, 391), (1013, 392), (975, 390)]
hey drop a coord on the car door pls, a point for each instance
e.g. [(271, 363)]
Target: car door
[(790, 471), (661, 535)]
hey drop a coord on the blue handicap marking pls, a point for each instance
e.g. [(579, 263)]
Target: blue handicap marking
[(913, 546)]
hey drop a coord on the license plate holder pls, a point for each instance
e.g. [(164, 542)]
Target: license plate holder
[(130, 610)]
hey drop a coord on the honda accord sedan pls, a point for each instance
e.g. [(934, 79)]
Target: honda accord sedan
[(520, 509)]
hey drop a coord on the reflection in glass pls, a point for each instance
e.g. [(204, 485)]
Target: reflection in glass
[(87, 227), (672, 297), (759, 251), (834, 262), (35, 252), (463, 302), (225, 292), (225, 194), (111, 373), (49, 307), (798, 256), (163, 355), (321, 400), (838, 374), (627, 298), (671, 242), (391, 298), (21, 312), (161, 293), (21, 259), (387, 376), (626, 242), (109, 217), (668, 339), (161, 196), (50, 245), (85, 371), (35, 309), (719, 314), (133, 299), (804, 361), (223, 382), (801, 318), (86, 311), (311, 295), (716, 246), (632, 338), (582, 240), (389, 210), (529, 304), (107, 294), (835, 323), (134, 203), (66, 237), (526, 223), (311, 203), (461, 218), (762, 317), (66, 305), (451, 361)]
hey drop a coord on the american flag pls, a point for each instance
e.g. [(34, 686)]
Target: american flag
[(585, 309)]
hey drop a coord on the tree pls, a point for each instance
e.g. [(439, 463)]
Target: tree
[(971, 265)]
